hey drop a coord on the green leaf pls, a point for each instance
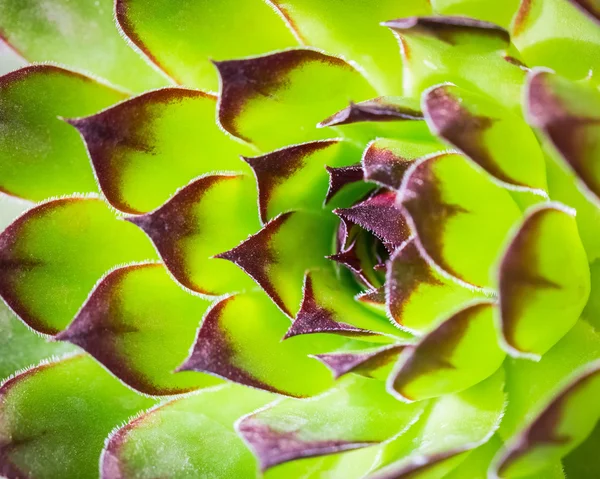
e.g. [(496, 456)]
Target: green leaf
[(206, 217), (528, 383), (145, 148), (278, 256), (562, 425), (293, 89), (54, 418), (567, 114), (479, 128), (444, 435), (468, 53), (500, 13), (42, 155), (459, 232), (547, 32), (79, 34), (182, 38), (540, 299), (460, 352), (53, 255), (140, 324), (351, 29), (240, 340), (417, 295), (282, 175), (187, 437), (583, 460), (356, 413)]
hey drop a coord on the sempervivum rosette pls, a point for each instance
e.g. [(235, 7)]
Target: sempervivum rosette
[(300, 239)]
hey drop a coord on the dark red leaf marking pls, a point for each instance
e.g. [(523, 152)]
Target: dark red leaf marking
[(516, 62), (213, 354), (173, 222), (113, 134), (272, 169), (446, 28), (314, 318), (374, 296), (436, 348), (422, 199), (273, 447), (518, 274), (384, 166), (407, 270), (380, 215), (415, 467), (255, 255), (591, 7), (568, 132), (378, 109), (111, 466), (242, 80), (465, 131), (121, 15), (340, 177), (359, 361), (545, 429)]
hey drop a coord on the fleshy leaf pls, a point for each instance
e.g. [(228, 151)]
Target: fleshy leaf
[(293, 89), (547, 32), (342, 176), (356, 413), (132, 313), (194, 435), (466, 52), (562, 424), (283, 175), (182, 38), (416, 293), (68, 406), (240, 340), (380, 215), (380, 109), (328, 306), (206, 217), (386, 160), (279, 254), (351, 29), (540, 299), (529, 382), (79, 34), (567, 114), (444, 435), (479, 128), (41, 155), (591, 7), (145, 148), (461, 234), (10, 59), (582, 461), (368, 362), (59, 249), (442, 362)]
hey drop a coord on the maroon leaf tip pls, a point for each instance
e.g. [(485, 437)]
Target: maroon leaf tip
[(340, 177), (380, 215), (313, 318), (359, 361), (274, 168), (273, 447), (255, 255), (384, 167), (377, 109), (445, 27)]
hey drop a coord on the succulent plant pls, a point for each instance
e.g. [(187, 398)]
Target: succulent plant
[(300, 239)]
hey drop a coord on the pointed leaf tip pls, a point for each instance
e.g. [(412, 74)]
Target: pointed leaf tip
[(378, 109)]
